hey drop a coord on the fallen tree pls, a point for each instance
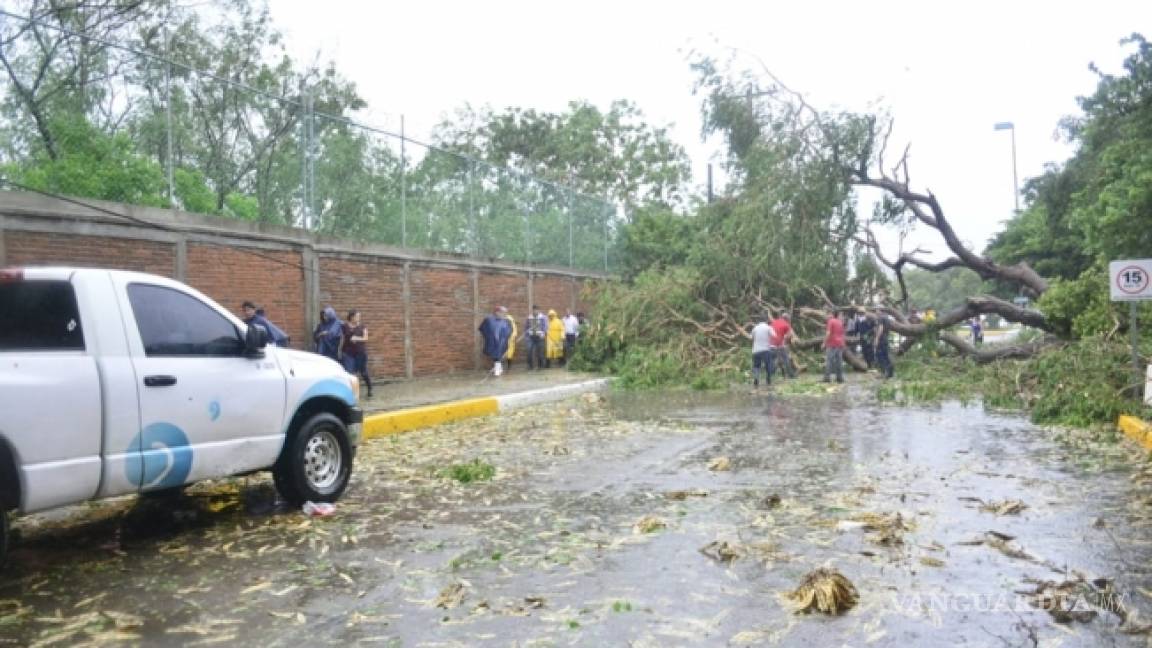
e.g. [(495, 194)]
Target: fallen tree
[(857, 145)]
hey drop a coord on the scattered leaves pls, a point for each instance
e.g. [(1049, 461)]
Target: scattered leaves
[(648, 524), (450, 597)]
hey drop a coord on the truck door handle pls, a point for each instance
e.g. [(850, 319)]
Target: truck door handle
[(159, 381)]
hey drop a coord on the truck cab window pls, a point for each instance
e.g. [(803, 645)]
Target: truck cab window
[(172, 323), (39, 316)]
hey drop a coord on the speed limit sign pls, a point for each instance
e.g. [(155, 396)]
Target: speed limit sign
[(1130, 280)]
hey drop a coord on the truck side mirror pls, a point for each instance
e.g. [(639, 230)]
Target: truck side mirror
[(255, 340)]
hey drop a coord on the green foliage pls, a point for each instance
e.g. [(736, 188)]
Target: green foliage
[(941, 291), (656, 238), (93, 164), (869, 281), (1085, 383), (472, 471), (1080, 307), (613, 153), (646, 333), (1095, 207)]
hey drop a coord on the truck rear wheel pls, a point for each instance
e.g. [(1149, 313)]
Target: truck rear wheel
[(317, 462)]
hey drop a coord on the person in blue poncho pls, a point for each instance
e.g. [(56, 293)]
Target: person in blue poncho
[(329, 334), (496, 329)]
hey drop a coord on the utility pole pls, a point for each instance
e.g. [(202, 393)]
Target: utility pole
[(1009, 126)]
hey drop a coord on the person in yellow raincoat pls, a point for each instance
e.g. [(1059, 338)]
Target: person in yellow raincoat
[(511, 341), (555, 347)]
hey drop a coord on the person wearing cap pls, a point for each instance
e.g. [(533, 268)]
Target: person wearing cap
[(535, 332), (254, 315), (782, 327), (496, 330)]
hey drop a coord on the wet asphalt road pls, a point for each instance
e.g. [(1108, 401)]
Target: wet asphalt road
[(549, 552)]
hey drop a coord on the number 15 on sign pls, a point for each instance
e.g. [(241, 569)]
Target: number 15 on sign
[(1130, 280)]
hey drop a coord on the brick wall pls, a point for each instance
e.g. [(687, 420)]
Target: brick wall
[(270, 278), (41, 248), (375, 287), (552, 293), (293, 275), (443, 321)]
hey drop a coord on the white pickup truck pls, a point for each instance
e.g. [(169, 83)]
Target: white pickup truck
[(118, 382)]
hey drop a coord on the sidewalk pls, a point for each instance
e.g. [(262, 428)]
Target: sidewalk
[(423, 402), (405, 394)]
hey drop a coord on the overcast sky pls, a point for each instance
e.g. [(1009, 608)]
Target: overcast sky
[(947, 74)]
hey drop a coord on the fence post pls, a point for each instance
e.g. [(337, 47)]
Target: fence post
[(168, 161), (472, 233), (607, 217), (403, 192)]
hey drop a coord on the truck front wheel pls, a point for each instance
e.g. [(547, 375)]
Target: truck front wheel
[(317, 462)]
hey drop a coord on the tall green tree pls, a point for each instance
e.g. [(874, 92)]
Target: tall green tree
[(615, 154), (1096, 206)]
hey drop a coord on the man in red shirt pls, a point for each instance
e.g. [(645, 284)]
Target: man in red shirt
[(834, 348), (782, 329)]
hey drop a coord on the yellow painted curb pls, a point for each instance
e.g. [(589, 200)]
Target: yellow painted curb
[(378, 425), (1137, 430)]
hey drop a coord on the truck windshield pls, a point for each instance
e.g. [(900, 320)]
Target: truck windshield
[(39, 316)]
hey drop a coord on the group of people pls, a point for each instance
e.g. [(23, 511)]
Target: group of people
[(771, 341), (547, 337), (342, 340)]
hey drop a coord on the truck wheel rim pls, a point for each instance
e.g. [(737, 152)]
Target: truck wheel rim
[(322, 460)]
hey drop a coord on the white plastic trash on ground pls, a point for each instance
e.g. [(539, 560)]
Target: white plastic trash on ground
[(318, 509)]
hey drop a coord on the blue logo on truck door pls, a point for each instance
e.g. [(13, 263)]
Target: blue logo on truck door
[(166, 457)]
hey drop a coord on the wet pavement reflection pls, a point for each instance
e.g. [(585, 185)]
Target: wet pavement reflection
[(644, 519)]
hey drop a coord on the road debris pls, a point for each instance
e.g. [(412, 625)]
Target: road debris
[(824, 590), (723, 551), (648, 524), (719, 464), (450, 597)]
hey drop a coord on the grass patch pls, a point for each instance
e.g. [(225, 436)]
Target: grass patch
[(466, 473), (621, 606)]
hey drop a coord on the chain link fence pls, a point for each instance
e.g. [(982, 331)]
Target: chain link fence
[(155, 122)]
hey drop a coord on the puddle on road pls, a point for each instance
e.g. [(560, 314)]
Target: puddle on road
[(605, 526)]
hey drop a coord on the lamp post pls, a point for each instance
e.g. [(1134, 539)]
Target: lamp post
[(1009, 126)]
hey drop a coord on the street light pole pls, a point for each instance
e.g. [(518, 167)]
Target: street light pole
[(1009, 126)]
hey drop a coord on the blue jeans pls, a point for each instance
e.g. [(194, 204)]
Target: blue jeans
[(883, 361), (535, 352), (762, 359)]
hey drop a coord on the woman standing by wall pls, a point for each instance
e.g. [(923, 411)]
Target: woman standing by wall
[(355, 351)]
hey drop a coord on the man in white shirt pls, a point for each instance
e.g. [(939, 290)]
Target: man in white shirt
[(571, 331), (762, 351)]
